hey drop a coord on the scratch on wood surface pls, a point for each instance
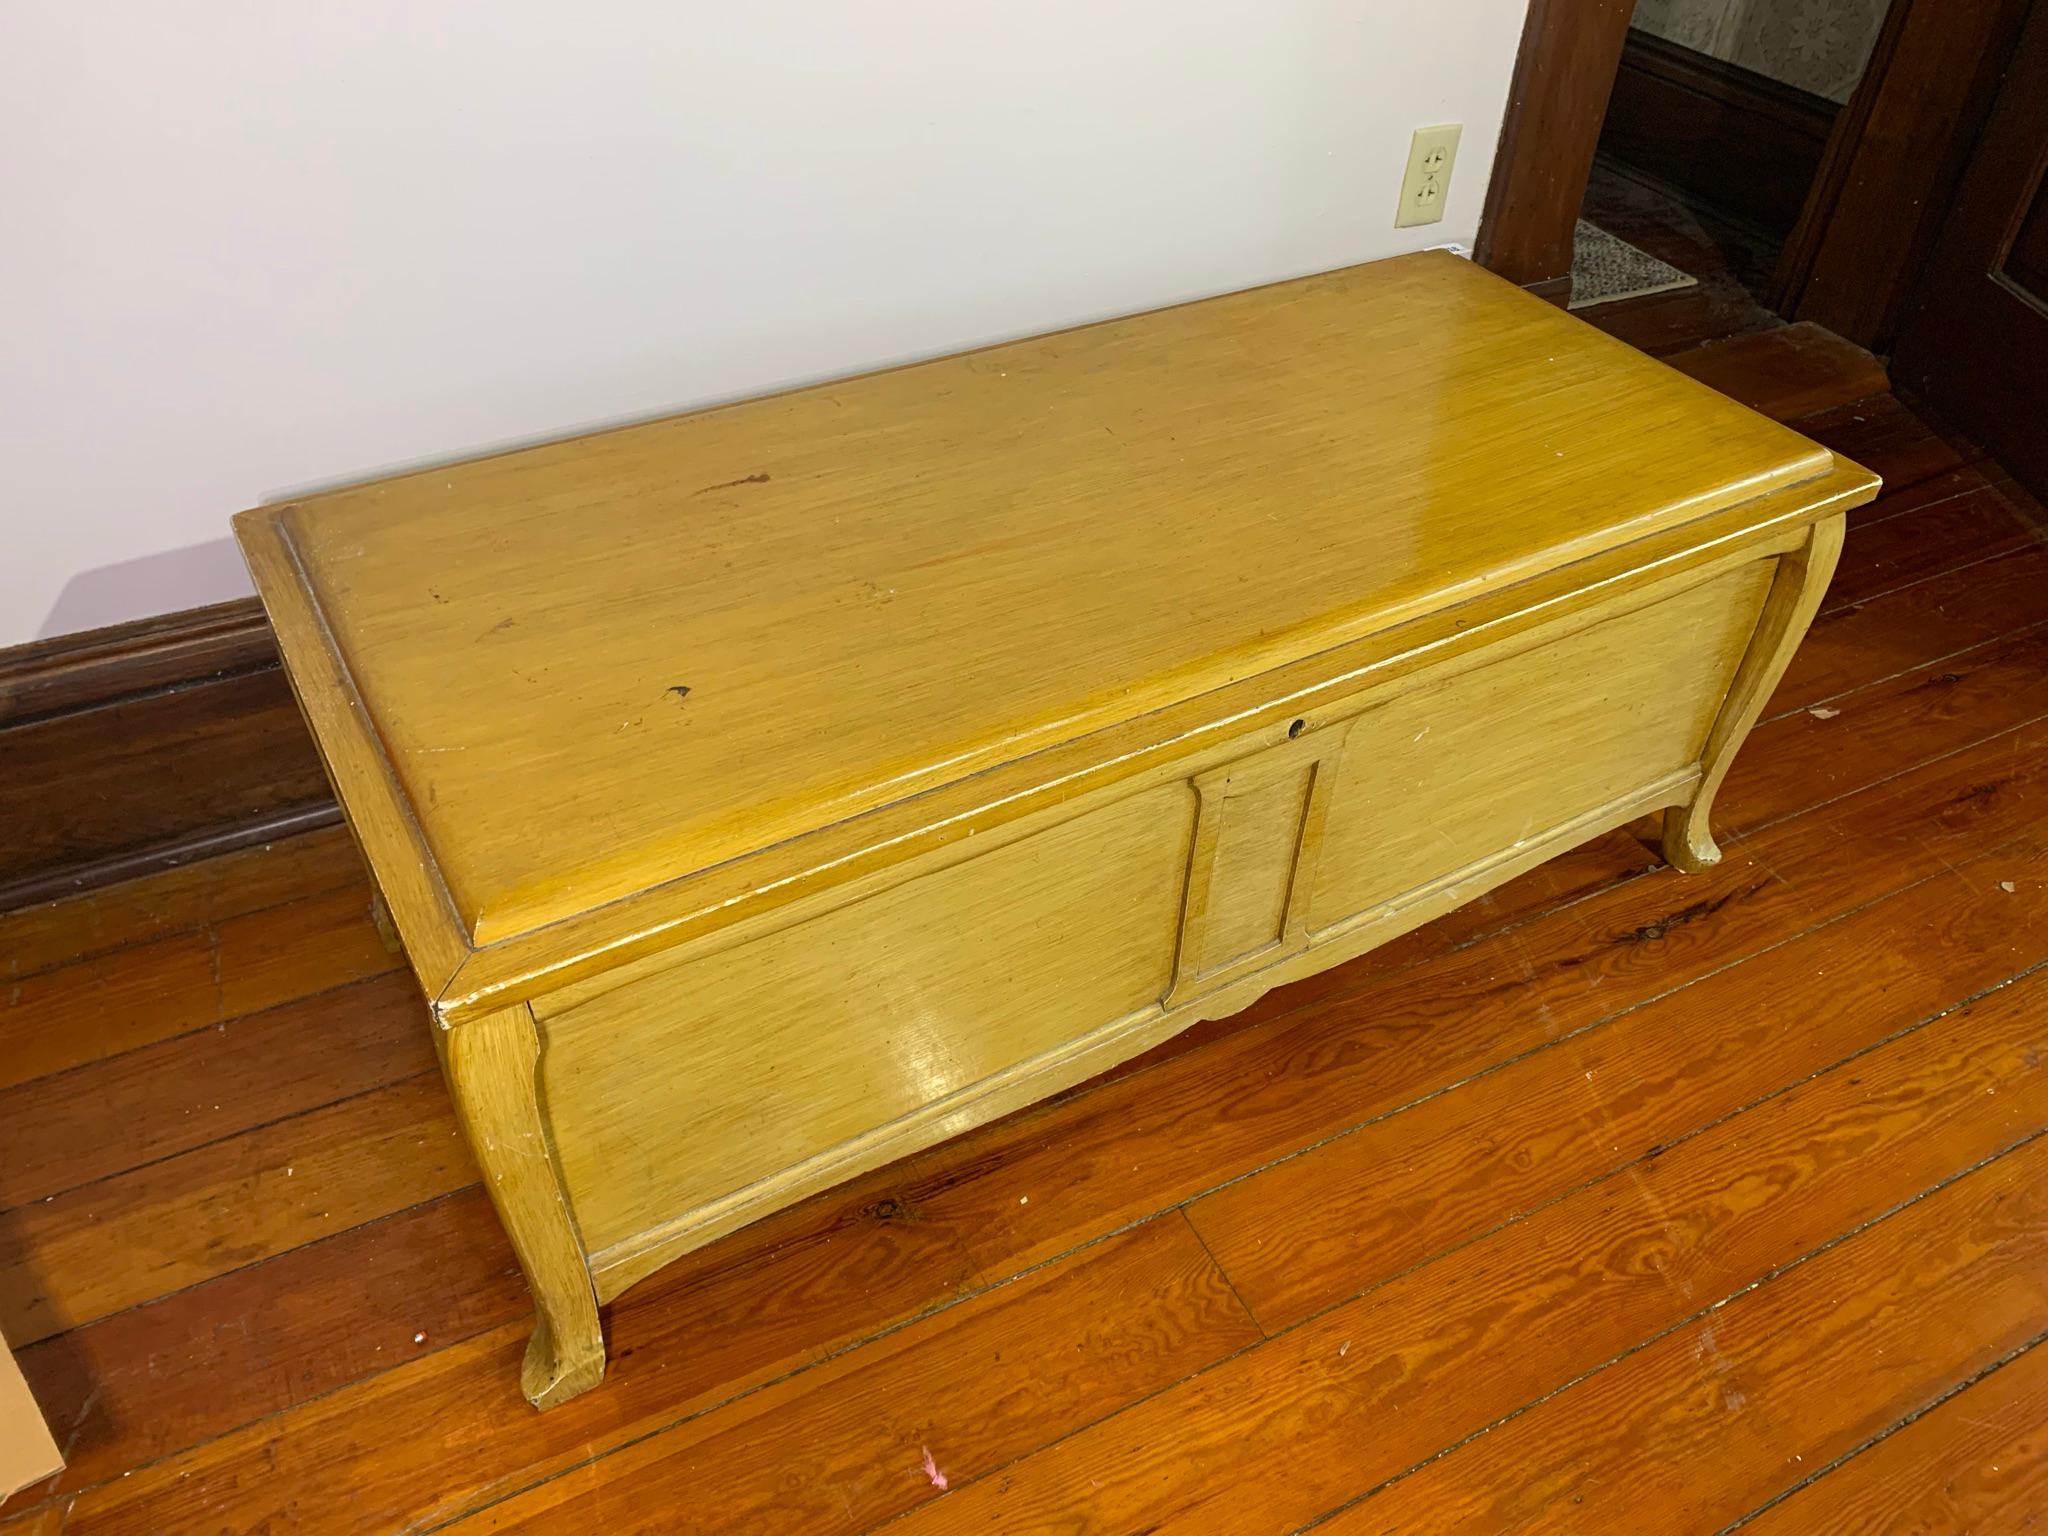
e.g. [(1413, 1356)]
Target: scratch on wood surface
[(726, 485)]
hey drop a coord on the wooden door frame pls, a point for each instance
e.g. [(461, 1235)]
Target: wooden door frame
[(1854, 256), (1975, 335), (1564, 73), (1892, 166)]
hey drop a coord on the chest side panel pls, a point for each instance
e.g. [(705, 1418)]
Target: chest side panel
[(1488, 760)]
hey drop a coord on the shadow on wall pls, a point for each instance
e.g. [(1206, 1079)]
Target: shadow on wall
[(178, 578)]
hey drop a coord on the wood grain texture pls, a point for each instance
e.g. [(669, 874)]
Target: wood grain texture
[(1354, 1211), (1802, 760), (77, 671), (1898, 445), (160, 1100), (181, 900), (142, 779), (1978, 329), (147, 745), (1788, 372), (1951, 1284), (1944, 615), (1977, 1462), (151, 992), (832, 529), (943, 821), (1296, 1427), (99, 1247), (760, 1055), (1975, 785), (1126, 1313), (161, 1378), (1115, 1322), (1889, 553)]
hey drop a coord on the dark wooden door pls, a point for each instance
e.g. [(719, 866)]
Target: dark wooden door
[(1977, 341)]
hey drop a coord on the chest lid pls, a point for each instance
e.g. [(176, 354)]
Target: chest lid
[(580, 672)]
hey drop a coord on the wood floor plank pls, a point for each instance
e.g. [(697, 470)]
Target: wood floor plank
[(1788, 371), (1710, 1420), (45, 1521), (117, 1114), (841, 1445), (1879, 558), (121, 1241), (159, 1379), (1906, 629), (1924, 494), (1338, 1406), (180, 900), (1977, 1464), (63, 1018), (1805, 759), (1347, 1214), (1883, 435)]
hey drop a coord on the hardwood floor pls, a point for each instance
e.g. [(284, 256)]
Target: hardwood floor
[(1614, 1201)]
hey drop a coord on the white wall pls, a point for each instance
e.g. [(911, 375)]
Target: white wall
[(248, 247)]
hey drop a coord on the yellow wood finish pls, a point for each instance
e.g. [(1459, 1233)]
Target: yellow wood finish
[(491, 1067), (748, 1060), (1453, 772), (766, 793), (1801, 581)]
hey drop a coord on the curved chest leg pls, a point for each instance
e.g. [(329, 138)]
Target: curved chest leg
[(491, 1065), (1794, 598)]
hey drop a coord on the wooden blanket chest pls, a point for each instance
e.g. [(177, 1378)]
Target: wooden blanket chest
[(767, 792)]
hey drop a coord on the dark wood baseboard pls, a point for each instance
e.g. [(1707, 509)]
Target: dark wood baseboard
[(1741, 143), (70, 672), (134, 748)]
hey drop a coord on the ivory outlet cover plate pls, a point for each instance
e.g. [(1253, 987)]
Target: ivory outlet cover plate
[(1426, 185)]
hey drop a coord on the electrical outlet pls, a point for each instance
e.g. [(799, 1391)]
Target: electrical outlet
[(1427, 184)]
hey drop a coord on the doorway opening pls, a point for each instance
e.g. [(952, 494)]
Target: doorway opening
[(1715, 136)]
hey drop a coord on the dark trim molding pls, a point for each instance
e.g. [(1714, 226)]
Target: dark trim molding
[(1893, 164), (1558, 97), (47, 677), (145, 745), (1738, 142)]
